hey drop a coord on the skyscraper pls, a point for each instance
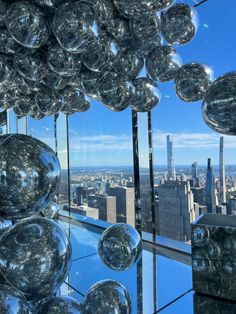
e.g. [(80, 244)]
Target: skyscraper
[(222, 190), (194, 170), (170, 159), (106, 206), (210, 190)]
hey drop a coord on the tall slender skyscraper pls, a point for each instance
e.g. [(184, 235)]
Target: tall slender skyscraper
[(170, 160), (210, 191), (222, 194), (194, 170)]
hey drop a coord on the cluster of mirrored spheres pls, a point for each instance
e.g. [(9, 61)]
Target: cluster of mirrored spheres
[(35, 252)]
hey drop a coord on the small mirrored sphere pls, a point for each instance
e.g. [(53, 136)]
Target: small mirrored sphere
[(120, 30), (60, 305), (107, 297), (179, 24), (120, 246), (62, 62), (157, 5), (30, 175), (219, 105), (89, 83), (55, 81), (146, 95), (12, 301), (146, 26), (35, 256), (8, 45), (75, 26), (130, 8), (32, 67), (162, 63), (192, 80), (115, 93), (104, 11), (49, 101), (74, 100), (23, 105), (5, 71), (3, 9), (51, 210), (27, 24)]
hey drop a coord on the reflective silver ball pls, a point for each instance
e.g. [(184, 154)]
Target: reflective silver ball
[(130, 8), (120, 30), (157, 5), (27, 24), (12, 301), (49, 101), (106, 297), (49, 3), (30, 175), (179, 24), (89, 83), (192, 80), (75, 101), (146, 95), (51, 210), (104, 11), (219, 105), (60, 305), (54, 81), (35, 256), (162, 63), (23, 105), (120, 246)]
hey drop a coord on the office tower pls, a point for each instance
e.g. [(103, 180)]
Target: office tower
[(194, 170), (106, 206), (78, 195), (170, 159), (222, 189), (198, 194), (175, 210), (231, 206), (125, 210), (210, 191), (221, 209)]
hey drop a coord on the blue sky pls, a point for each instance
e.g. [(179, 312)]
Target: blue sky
[(101, 137)]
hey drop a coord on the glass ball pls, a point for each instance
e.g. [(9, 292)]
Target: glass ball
[(106, 297), (32, 67), (49, 101), (219, 105), (120, 30), (179, 24), (35, 257), (120, 246), (162, 63), (146, 95), (60, 305), (30, 175), (62, 62), (75, 26), (27, 24), (54, 81), (115, 93), (12, 301), (51, 210), (192, 80), (129, 64)]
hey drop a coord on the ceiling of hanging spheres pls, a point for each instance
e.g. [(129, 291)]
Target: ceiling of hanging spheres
[(62, 62), (49, 101), (162, 63), (54, 81), (120, 30), (129, 64), (75, 26), (158, 5), (146, 95), (107, 296), (27, 24), (192, 80), (219, 105), (114, 92), (179, 24), (49, 3), (60, 305)]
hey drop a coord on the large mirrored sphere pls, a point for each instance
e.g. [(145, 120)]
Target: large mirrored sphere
[(12, 301), (27, 24), (30, 175), (75, 26), (146, 95), (120, 246), (35, 256), (219, 105), (107, 297), (32, 67), (192, 80), (179, 24), (51, 210), (60, 305), (162, 63)]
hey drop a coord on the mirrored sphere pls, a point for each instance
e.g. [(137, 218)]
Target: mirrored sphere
[(62, 62), (107, 297), (120, 30), (114, 92), (192, 80), (157, 5), (219, 105), (146, 95), (3, 9), (8, 45), (49, 101), (129, 8), (23, 105), (162, 63), (35, 255), (50, 3), (5, 71), (30, 175), (60, 305), (146, 26), (55, 81), (179, 24), (146, 44), (32, 67), (89, 83), (120, 246), (75, 100), (51, 210), (27, 24), (104, 11), (75, 26), (12, 301)]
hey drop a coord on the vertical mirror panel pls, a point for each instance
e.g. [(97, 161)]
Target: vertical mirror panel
[(22, 125), (11, 121)]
